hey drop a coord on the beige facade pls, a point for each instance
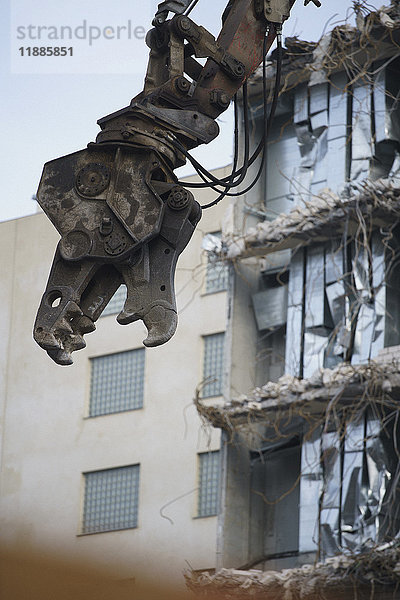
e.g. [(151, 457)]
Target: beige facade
[(48, 441)]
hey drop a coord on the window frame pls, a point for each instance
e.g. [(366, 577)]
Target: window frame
[(136, 493), (92, 359), (219, 376), (224, 275), (216, 500)]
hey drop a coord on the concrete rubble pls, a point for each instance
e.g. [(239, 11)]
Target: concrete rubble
[(377, 381), (375, 573), (315, 220)]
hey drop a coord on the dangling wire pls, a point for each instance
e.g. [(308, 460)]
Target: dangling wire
[(267, 122), (190, 7), (227, 182), (264, 141), (238, 175)]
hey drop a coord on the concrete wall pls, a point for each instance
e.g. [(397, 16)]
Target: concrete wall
[(48, 441)]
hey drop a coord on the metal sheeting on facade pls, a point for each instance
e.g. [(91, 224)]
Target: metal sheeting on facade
[(344, 247), (355, 485)]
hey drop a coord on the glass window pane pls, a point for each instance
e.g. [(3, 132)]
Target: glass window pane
[(217, 272), (111, 499), (213, 364), (117, 382), (209, 469)]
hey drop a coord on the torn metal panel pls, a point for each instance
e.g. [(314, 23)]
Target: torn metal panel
[(314, 353), (283, 159), (379, 287), (321, 351), (381, 115), (328, 543), (310, 486), (319, 95), (333, 261), (336, 173), (360, 315), (361, 123), (338, 340), (310, 489), (355, 484), (307, 145), (300, 104), (361, 136), (364, 334), (336, 299), (270, 307), (317, 317), (311, 151), (336, 296), (322, 161), (296, 279), (338, 107), (386, 105), (332, 470), (294, 340), (370, 273), (355, 434), (295, 314), (314, 307), (351, 527), (378, 475), (319, 121)]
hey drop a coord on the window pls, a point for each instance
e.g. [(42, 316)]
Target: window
[(111, 499), (209, 469), (274, 500), (213, 364), (116, 303), (217, 270), (117, 382)]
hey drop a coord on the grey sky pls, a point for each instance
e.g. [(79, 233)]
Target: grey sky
[(50, 106)]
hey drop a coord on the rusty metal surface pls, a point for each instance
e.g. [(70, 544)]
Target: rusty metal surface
[(115, 228)]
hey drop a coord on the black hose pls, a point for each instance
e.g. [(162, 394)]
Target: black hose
[(267, 122), (228, 181)]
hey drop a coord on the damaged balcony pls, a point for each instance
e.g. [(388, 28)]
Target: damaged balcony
[(319, 460)]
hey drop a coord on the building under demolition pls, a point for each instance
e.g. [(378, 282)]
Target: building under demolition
[(310, 485)]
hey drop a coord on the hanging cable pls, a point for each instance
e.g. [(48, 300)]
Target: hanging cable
[(229, 182), (235, 173), (267, 122), (264, 137), (190, 7)]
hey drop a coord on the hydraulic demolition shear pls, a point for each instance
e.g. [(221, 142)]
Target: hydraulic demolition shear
[(122, 215)]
